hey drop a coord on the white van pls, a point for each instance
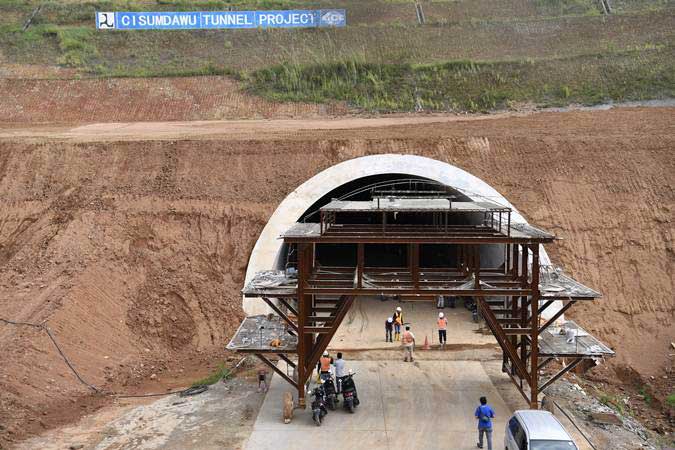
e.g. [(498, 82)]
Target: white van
[(536, 430)]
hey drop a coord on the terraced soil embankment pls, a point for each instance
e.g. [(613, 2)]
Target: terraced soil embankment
[(134, 249)]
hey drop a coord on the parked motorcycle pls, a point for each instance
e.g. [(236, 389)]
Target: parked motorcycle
[(350, 397), (319, 410), (331, 392)]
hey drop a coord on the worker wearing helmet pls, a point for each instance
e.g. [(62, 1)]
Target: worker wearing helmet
[(388, 329), (442, 323), (408, 343), (323, 367), (398, 322)]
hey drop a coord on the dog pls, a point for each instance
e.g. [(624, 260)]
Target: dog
[(288, 407)]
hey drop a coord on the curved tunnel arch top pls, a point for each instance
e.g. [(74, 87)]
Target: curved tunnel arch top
[(268, 245)]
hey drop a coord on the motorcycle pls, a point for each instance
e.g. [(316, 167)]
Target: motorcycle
[(349, 396), (319, 410), (331, 392)]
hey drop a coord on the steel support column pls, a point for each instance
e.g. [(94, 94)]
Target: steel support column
[(534, 337)]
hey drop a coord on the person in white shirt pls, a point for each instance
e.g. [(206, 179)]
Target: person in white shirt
[(340, 371), (408, 342)]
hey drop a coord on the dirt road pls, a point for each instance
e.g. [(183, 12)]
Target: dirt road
[(132, 243)]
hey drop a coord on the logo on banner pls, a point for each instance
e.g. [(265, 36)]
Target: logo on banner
[(333, 18), (105, 20)]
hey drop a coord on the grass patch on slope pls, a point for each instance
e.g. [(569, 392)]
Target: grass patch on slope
[(474, 86), (221, 372)]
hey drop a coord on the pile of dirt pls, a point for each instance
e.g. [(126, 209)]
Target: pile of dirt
[(134, 250)]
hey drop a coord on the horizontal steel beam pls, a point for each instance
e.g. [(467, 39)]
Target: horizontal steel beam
[(393, 239), (405, 290), (517, 331), (319, 330)]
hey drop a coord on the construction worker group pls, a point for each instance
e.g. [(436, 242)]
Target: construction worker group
[(394, 324)]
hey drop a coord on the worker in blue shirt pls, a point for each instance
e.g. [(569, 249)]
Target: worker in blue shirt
[(484, 413)]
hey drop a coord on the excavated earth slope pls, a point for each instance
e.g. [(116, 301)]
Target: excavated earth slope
[(133, 248)]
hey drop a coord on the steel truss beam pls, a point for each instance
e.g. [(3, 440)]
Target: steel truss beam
[(323, 340), (276, 369), (281, 314), (562, 372), (506, 345), (556, 315)]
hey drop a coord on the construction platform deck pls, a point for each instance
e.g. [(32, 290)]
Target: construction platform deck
[(555, 285), (412, 205), (395, 233), (570, 340), (256, 333), (271, 283)]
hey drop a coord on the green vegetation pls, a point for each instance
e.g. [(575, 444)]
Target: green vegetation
[(646, 396), (221, 373), (567, 7), (612, 401), (473, 86), (670, 400), (473, 55)]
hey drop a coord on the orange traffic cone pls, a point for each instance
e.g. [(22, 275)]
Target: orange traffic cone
[(426, 343)]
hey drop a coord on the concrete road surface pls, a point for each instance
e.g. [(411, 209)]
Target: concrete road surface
[(422, 405)]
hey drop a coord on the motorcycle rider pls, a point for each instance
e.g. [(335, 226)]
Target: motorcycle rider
[(340, 371), (323, 367)]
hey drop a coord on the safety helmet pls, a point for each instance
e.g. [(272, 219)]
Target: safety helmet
[(398, 308), (324, 353), (440, 314), (390, 320)]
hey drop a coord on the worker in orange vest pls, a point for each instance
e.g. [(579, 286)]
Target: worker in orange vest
[(442, 329), (408, 342), (398, 322), (324, 366)]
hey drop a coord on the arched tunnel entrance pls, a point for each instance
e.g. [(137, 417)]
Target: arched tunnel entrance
[(365, 172), (404, 228)]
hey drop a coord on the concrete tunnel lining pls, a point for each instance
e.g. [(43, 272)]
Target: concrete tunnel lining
[(265, 253)]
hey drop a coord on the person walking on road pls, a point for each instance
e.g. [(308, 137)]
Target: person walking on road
[(398, 322), (442, 329), (484, 413), (388, 329), (408, 342)]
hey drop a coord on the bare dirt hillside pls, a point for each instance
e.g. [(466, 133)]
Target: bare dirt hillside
[(26, 100), (134, 250)]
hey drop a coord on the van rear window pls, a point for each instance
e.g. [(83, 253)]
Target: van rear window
[(552, 445)]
